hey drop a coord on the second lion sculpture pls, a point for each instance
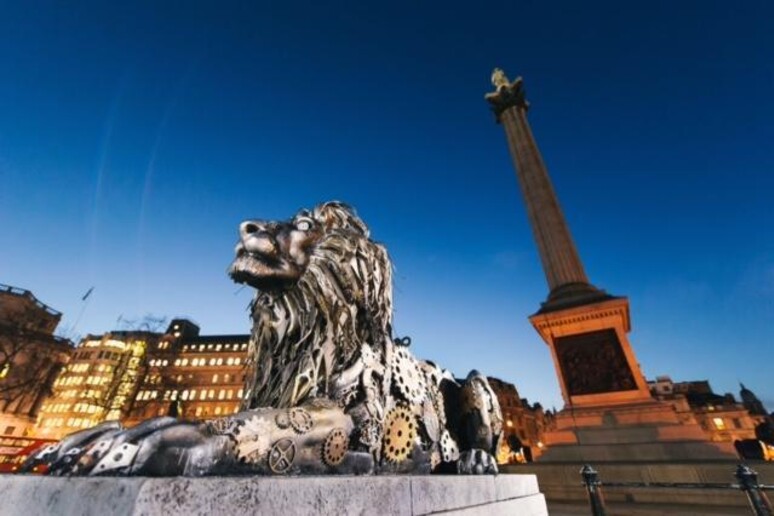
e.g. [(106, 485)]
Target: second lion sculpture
[(328, 387)]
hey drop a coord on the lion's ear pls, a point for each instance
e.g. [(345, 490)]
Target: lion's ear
[(338, 215)]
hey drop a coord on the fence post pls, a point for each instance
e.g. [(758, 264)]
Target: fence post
[(748, 482), (594, 490)]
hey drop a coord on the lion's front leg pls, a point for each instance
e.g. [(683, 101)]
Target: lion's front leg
[(313, 438)]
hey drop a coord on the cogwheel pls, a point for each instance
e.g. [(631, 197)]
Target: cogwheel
[(400, 429), (300, 420), (282, 419), (407, 376), (335, 447), (449, 450), (281, 456)]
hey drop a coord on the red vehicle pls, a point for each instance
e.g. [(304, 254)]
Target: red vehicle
[(15, 450)]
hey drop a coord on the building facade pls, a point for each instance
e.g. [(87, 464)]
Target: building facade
[(31, 356), (721, 417), (191, 376), (523, 424), (99, 384)]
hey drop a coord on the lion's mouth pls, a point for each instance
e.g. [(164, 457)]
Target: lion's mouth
[(261, 271)]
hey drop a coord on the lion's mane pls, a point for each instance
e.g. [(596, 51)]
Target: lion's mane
[(305, 336)]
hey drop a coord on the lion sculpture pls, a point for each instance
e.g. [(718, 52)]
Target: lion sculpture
[(329, 389)]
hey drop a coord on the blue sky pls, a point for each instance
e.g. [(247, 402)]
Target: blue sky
[(134, 139)]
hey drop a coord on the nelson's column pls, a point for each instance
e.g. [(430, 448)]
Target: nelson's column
[(609, 413)]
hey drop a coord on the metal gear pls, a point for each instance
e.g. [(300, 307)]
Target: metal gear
[(449, 450), (281, 455), (407, 375), (335, 446), (282, 419), (300, 420), (400, 430)]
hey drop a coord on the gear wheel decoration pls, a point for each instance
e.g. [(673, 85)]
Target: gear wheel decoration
[(282, 420), (449, 450), (335, 446), (281, 456), (407, 376), (400, 430), (300, 420)]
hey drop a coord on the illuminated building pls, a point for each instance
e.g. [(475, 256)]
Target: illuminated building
[(191, 376), (523, 424), (721, 417), (98, 384), (30, 358)]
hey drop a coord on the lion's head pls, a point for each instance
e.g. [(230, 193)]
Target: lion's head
[(324, 291)]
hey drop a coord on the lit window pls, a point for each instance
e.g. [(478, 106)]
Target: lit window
[(184, 362), (213, 361), (218, 347), (220, 361), (198, 411), (203, 394), (195, 362), (221, 394), (165, 363), (719, 423), (177, 362), (201, 347), (215, 378), (230, 361), (236, 361), (230, 394), (184, 395), (211, 394)]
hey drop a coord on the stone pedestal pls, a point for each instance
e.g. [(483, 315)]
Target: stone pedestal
[(384, 495), (609, 413)]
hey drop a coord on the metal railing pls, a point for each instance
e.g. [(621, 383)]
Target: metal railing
[(747, 478)]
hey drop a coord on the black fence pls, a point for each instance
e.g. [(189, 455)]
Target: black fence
[(747, 483)]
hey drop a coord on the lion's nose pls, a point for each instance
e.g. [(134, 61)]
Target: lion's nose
[(258, 237), (250, 227)]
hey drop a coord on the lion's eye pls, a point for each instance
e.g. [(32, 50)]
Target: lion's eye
[(304, 225)]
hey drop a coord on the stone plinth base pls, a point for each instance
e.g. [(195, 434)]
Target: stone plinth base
[(562, 484), (384, 495), (647, 432)]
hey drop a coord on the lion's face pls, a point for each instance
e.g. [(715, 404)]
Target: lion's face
[(272, 256)]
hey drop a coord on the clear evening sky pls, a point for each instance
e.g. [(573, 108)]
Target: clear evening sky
[(134, 139)]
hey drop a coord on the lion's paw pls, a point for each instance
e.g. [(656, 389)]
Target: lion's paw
[(476, 462)]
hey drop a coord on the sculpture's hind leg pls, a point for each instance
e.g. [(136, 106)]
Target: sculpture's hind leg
[(480, 426)]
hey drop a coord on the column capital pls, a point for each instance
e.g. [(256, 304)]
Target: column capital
[(507, 94)]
